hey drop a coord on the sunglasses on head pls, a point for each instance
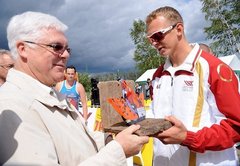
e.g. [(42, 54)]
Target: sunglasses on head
[(56, 47), (159, 35)]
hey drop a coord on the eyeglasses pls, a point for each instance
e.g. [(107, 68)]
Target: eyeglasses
[(56, 47), (7, 67), (159, 35)]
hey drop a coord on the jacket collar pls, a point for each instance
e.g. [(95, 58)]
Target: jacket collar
[(188, 64), (38, 91)]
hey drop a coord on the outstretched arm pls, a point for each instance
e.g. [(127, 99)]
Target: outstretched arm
[(83, 97)]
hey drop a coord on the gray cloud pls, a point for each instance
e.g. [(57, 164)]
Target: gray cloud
[(99, 29)]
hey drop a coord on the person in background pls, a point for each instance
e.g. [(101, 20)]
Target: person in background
[(197, 93), (95, 101), (73, 90), (37, 124), (147, 89), (205, 48), (151, 90), (6, 63), (138, 88)]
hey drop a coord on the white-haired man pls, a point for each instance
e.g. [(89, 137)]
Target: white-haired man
[(6, 63), (37, 124)]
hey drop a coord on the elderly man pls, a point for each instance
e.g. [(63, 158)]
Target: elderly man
[(37, 124), (6, 62)]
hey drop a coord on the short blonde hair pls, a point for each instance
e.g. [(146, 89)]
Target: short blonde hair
[(168, 12)]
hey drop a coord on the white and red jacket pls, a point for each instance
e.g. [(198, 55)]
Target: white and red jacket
[(203, 94)]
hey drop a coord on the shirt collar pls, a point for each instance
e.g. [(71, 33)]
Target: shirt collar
[(189, 63)]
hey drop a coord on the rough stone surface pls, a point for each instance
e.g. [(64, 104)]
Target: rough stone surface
[(149, 127)]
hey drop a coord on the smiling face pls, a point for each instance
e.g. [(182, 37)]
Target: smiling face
[(41, 62)]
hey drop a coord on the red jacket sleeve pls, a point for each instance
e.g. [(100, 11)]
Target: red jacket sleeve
[(224, 85)]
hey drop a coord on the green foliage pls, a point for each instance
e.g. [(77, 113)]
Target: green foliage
[(224, 16), (85, 80), (145, 56)]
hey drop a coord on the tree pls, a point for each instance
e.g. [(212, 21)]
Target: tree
[(224, 16), (85, 80), (145, 55)]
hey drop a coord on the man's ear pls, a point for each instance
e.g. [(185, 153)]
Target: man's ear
[(21, 49), (180, 28)]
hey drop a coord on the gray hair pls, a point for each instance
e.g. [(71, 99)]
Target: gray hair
[(28, 25), (3, 51)]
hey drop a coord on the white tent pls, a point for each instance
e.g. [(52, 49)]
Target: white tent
[(232, 60), (147, 74)]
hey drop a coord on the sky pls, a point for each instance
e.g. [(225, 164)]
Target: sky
[(99, 30)]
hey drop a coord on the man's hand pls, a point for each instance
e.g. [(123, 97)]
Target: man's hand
[(175, 134), (130, 142)]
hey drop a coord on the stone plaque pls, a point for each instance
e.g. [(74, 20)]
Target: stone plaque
[(149, 127)]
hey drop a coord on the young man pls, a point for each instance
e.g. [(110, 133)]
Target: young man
[(6, 63), (37, 124), (73, 90), (197, 92)]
